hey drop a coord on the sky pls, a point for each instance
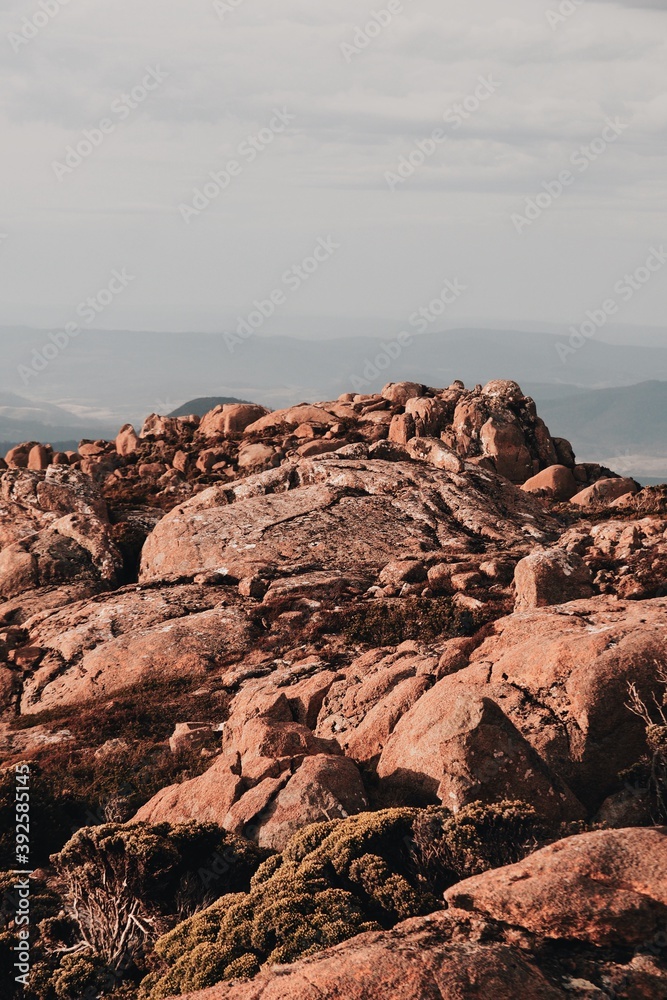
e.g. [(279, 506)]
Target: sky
[(365, 154)]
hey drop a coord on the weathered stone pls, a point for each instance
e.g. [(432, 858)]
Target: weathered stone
[(551, 576)]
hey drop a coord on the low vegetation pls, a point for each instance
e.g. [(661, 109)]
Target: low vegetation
[(138, 912), (391, 622), (335, 880)]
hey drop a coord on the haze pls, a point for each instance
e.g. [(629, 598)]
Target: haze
[(327, 123)]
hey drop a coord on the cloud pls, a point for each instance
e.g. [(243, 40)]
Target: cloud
[(354, 121)]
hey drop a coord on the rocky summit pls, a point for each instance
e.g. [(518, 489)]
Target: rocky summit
[(358, 698)]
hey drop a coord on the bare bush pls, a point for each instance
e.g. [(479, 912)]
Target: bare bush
[(654, 716)]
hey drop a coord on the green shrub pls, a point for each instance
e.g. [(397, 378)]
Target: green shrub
[(338, 879), (448, 849), (44, 906), (333, 880)]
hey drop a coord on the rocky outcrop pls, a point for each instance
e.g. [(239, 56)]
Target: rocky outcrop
[(54, 529), (337, 511), (495, 427), (626, 557), (113, 642), (599, 888), (274, 776), (560, 678), (415, 597)]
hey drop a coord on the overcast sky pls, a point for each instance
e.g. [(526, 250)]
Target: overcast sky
[(350, 107)]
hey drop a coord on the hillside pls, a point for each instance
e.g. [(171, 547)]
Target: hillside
[(201, 406), (355, 696), (614, 421)]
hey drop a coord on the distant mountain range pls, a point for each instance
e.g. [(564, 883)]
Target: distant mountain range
[(609, 399), (624, 427)]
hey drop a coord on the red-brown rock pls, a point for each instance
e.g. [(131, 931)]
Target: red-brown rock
[(556, 481), (339, 514), (561, 677), (604, 491), (551, 576), (601, 888), (230, 418)]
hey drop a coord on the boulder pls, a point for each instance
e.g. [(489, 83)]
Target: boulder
[(430, 416), (400, 392), (127, 441), (556, 481), (192, 736), (362, 707), (551, 576), (561, 677), (600, 888), (206, 799), (17, 457), (323, 788), (435, 453), (252, 455), (293, 417), (505, 442), (476, 755), (40, 457), (208, 458), (229, 419), (402, 428), (604, 491), (159, 428)]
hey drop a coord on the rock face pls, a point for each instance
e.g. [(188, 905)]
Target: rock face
[(553, 925), (560, 677), (54, 529), (95, 649), (333, 512), (599, 888)]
